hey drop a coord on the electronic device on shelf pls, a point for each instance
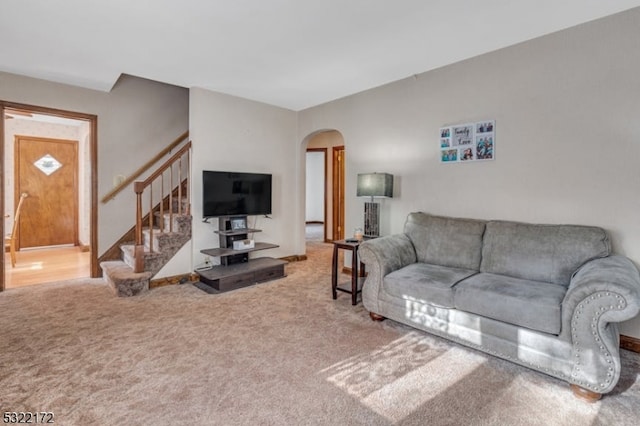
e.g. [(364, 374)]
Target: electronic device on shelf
[(243, 244), (235, 194)]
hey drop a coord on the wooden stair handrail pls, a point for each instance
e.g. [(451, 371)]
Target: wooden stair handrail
[(141, 185), (129, 237), (139, 188), (111, 194)]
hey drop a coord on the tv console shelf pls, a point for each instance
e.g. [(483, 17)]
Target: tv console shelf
[(244, 231), (236, 270), (222, 252)]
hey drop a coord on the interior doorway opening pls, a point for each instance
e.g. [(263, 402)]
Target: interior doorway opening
[(316, 195), (49, 160), (324, 187)]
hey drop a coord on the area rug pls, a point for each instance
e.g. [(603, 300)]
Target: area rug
[(277, 353)]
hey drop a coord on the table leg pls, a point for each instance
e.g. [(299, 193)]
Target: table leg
[(334, 273), (354, 277)]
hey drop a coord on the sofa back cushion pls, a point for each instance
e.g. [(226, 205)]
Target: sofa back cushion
[(549, 253), (446, 241)]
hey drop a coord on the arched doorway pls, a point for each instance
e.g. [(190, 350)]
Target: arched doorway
[(331, 214)]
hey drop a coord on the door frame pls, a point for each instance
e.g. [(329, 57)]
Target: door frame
[(93, 172), (338, 168)]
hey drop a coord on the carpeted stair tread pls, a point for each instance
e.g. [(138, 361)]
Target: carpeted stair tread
[(165, 245), (119, 270), (150, 258), (181, 222), (123, 280), (129, 250)]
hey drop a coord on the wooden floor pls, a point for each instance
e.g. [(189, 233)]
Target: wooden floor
[(46, 265)]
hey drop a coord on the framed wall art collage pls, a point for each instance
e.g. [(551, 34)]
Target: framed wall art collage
[(468, 142)]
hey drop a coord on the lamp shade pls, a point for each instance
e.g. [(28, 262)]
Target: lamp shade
[(375, 185)]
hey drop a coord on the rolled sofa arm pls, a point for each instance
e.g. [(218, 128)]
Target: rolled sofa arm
[(382, 256), (601, 292)]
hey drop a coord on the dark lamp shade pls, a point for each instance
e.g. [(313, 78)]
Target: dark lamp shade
[(375, 185)]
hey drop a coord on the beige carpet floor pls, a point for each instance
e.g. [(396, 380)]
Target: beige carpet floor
[(278, 353)]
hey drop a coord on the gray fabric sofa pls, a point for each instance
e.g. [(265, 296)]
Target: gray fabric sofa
[(548, 297)]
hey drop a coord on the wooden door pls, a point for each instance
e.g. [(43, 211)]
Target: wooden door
[(338, 192), (47, 170)]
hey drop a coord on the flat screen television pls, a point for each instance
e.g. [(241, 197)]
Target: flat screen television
[(235, 194)]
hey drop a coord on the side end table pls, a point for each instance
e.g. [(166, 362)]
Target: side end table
[(357, 270)]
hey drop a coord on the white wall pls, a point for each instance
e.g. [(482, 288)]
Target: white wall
[(136, 120), (567, 135), (234, 134), (315, 186)]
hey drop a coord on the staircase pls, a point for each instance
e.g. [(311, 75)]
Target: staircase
[(121, 275), (159, 235)]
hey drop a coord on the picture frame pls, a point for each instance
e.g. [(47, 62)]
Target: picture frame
[(467, 142)]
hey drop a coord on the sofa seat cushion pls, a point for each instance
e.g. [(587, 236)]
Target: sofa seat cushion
[(433, 284), (550, 253), (525, 303), (446, 241)]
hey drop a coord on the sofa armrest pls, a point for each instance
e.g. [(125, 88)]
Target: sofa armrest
[(601, 292), (614, 274), (382, 256)]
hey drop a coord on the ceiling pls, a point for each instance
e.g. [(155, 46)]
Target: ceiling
[(289, 53)]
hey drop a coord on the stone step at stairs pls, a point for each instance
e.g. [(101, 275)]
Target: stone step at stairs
[(119, 274)]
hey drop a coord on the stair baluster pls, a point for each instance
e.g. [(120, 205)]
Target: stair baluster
[(171, 200), (141, 186)]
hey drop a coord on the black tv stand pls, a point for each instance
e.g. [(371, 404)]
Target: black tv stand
[(236, 270)]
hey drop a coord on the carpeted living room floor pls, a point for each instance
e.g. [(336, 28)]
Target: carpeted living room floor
[(278, 353)]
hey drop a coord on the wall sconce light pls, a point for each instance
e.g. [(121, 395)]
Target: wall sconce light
[(374, 185)]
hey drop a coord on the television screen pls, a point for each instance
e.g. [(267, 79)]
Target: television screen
[(234, 193)]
